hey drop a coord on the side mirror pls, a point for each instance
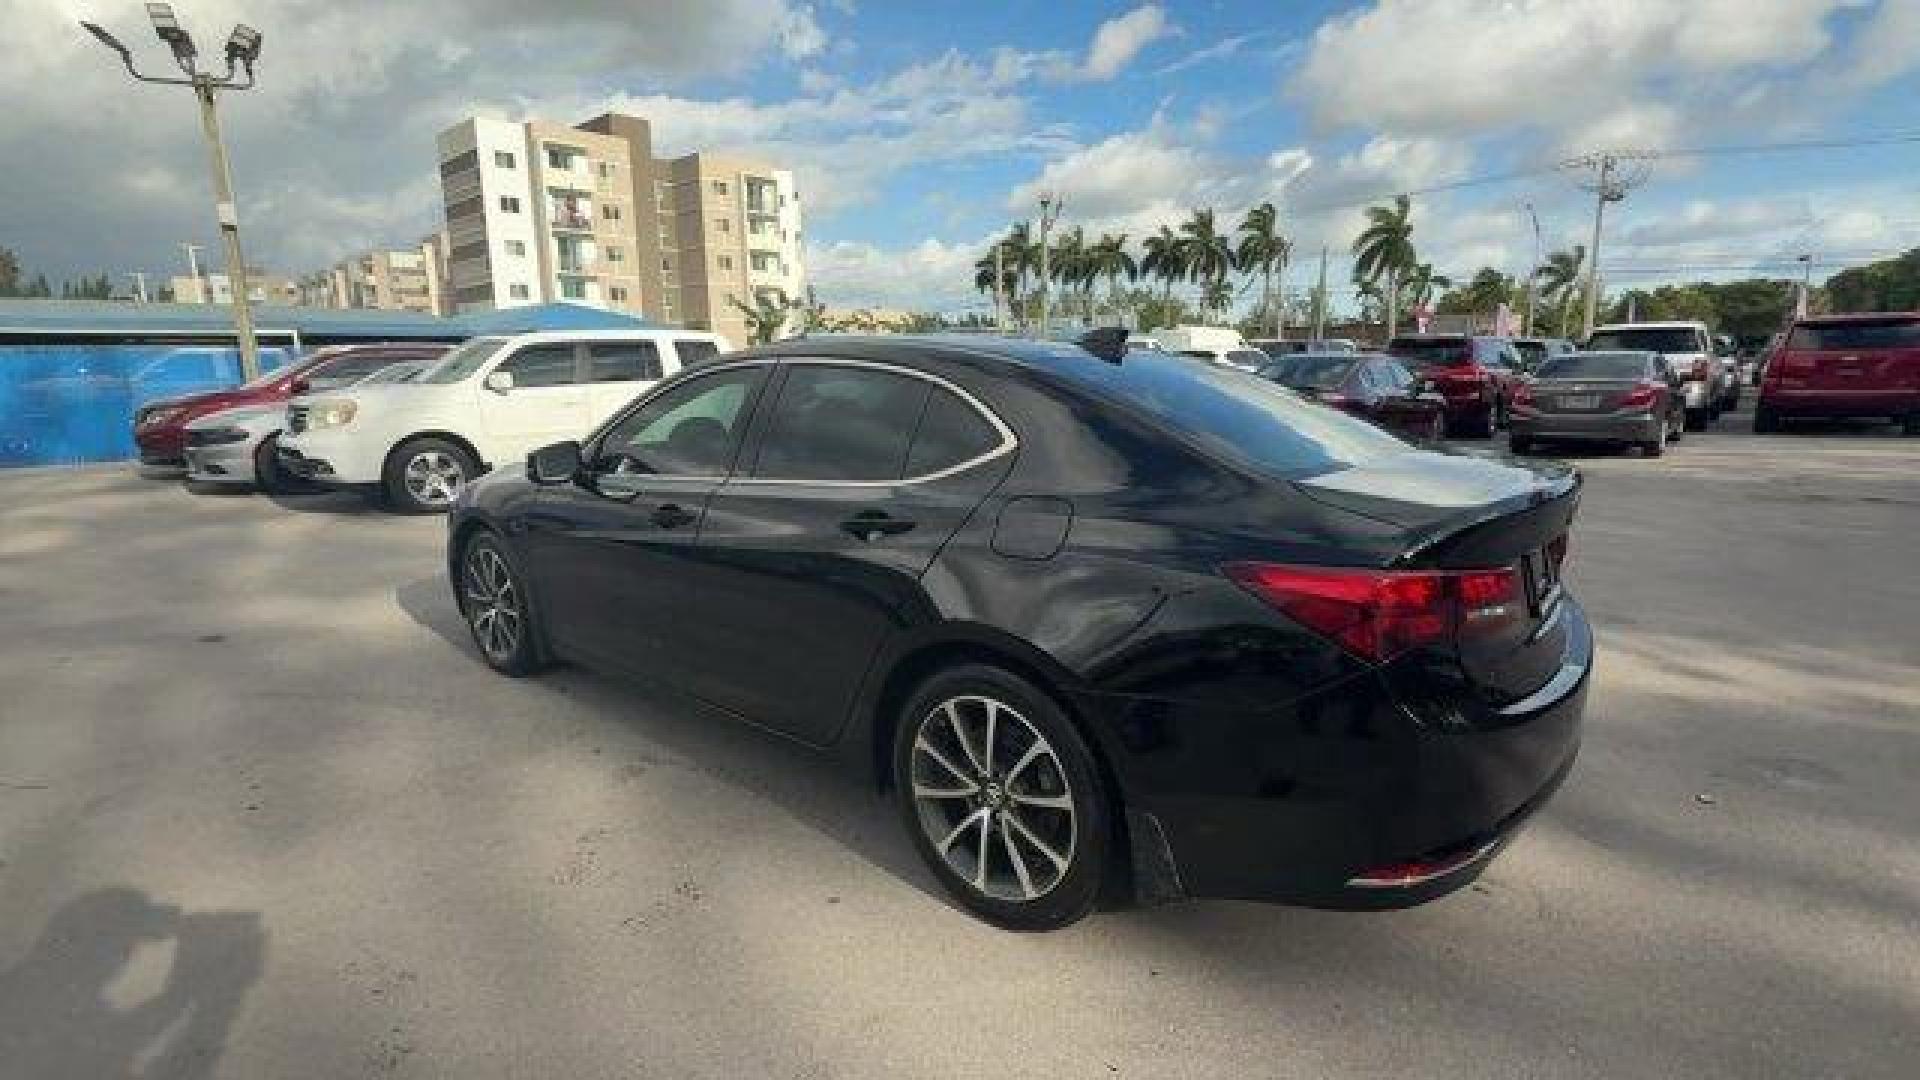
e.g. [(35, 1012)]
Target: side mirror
[(555, 464), (500, 382)]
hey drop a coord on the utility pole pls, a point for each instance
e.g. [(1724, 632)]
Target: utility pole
[(1320, 299), (242, 50), (139, 286), (1611, 186), (999, 285), (1533, 273), (1804, 306), (1049, 213), (1280, 302)]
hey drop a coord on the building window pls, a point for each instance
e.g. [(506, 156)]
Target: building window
[(517, 291), (517, 248), (722, 225), (719, 187), (666, 266), (573, 289), (503, 159), (611, 213), (726, 262), (618, 294), (615, 254), (509, 204), (603, 169), (559, 158)]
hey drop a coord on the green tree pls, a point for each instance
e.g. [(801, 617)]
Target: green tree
[(1165, 262), (1109, 258), (9, 272), (1067, 265), (1209, 259), (1384, 249), (768, 315), (1888, 285), (1560, 281), (1261, 250), (1420, 284)]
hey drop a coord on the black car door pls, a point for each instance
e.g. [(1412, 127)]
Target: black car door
[(615, 554), (812, 554)]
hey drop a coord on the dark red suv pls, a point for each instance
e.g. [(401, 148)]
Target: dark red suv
[(1476, 375), (1845, 365), (160, 425)]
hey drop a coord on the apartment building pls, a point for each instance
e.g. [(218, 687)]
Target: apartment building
[(389, 279), (540, 212), (262, 288)]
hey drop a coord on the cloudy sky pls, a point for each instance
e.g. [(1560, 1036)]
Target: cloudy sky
[(919, 130)]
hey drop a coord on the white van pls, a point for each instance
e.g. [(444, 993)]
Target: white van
[(1216, 344), (488, 402)]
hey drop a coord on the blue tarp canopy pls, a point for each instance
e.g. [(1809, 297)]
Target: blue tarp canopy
[(41, 319)]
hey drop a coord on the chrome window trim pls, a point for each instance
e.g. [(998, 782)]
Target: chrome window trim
[(1008, 442)]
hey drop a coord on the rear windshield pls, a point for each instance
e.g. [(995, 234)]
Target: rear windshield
[(1678, 339), (1320, 372), (1428, 352), (1593, 366), (1236, 417), (1531, 352), (1891, 334)]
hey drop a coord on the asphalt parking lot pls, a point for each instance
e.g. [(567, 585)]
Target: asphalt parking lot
[(264, 813)]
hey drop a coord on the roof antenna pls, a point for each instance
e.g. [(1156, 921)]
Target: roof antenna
[(1109, 343)]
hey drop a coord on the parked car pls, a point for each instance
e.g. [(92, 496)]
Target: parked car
[(1214, 343), (1845, 365), (160, 425), (1093, 620), (1278, 347), (487, 402), (1475, 375), (1627, 398), (240, 445), (1688, 345), (1534, 351), (1143, 341), (1369, 385)]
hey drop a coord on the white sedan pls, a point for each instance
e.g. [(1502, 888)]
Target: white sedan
[(237, 445)]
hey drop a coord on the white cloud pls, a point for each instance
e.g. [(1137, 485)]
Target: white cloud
[(1119, 40), (1219, 50), (930, 275)]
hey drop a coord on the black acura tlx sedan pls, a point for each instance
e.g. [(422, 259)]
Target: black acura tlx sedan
[(1104, 624)]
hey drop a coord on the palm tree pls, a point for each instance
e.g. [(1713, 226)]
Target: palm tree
[(1385, 249), (1066, 264), (1560, 277), (1165, 261), (1108, 258), (1208, 256), (1487, 291), (767, 317), (1261, 249), (1420, 284)]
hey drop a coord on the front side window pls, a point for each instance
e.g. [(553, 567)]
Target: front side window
[(623, 361), (690, 430), (843, 424), (464, 360), (541, 365)]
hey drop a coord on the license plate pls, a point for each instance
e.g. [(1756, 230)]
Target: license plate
[(1580, 401)]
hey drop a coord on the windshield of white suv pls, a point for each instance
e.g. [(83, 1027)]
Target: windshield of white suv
[(463, 361), (1670, 339)]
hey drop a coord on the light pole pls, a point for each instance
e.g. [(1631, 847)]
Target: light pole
[(243, 48), (1049, 213), (1533, 272), (1804, 306)]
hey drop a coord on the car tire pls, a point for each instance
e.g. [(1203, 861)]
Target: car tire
[(1436, 428), (1698, 419), (424, 476), (268, 476), (1910, 424), (1676, 428), (494, 602), (1519, 444), (1483, 427), (1003, 799), (1765, 420), (1657, 445)]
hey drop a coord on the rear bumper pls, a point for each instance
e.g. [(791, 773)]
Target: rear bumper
[(1602, 427), (1297, 804)]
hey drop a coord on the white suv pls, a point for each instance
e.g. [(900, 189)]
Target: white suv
[(488, 402)]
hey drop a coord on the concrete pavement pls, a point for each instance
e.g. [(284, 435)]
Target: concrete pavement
[(263, 813)]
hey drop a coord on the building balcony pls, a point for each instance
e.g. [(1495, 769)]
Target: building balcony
[(564, 222)]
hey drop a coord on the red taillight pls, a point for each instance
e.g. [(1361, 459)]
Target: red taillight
[(1378, 614), (1640, 396)]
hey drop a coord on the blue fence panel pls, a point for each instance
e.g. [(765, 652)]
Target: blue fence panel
[(65, 404)]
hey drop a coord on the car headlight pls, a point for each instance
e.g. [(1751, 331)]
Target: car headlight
[(326, 414)]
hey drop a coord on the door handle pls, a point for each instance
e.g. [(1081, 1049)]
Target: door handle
[(670, 516), (870, 524)]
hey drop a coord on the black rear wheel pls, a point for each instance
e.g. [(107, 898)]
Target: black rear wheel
[(1003, 798), (493, 599), (1765, 420)]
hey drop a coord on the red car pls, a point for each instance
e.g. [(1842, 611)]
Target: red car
[(1845, 365), (160, 425), (1368, 385), (1475, 374)]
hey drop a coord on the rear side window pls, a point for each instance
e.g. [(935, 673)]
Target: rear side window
[(541, 365), (693, 352), (623, 361), (845, 424), (1891, 334), (951, 433)]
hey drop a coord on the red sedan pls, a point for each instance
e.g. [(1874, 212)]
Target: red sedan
[(160, 426), (1368, 385)]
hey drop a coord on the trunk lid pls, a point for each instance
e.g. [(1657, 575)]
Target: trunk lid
[(1581, 395), (1467, 512)]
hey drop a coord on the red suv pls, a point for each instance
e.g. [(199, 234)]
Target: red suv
[(1476, 375), (1845, 365), (160, 425)]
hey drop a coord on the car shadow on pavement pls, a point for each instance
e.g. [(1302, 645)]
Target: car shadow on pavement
[(63, 1007), (812, 787)]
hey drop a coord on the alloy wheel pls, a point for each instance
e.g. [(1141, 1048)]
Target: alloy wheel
[(434, 477), (992, 798), (492, 603)]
